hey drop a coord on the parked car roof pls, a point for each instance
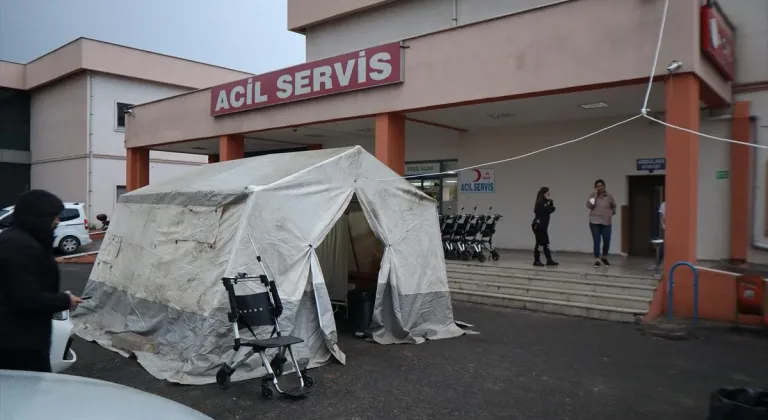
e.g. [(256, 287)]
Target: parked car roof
[(34, 396)]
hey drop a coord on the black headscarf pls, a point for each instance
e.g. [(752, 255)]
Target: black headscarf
[(35, 212)]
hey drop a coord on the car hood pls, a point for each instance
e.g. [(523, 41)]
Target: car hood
[(33, 396)]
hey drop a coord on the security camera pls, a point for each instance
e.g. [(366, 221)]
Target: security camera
[(129, 111), (674, 66)]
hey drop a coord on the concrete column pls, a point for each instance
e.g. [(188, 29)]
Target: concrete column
[(390, 141), (137, 168), (231, 147), (740, 182)]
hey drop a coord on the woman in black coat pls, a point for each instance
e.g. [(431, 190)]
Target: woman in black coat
[(29, 283), (543, 208)]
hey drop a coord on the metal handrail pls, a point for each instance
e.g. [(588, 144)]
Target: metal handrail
[(695, 289)]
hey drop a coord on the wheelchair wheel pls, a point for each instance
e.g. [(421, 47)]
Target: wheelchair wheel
[(224, 377), (481, 257), (495, 255), (266, 391), (308, 381), (466, 255)]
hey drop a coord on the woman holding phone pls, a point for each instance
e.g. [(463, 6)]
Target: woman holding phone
[(602, 207)]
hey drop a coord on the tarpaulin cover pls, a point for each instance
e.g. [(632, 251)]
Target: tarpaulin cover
[(156, 289)]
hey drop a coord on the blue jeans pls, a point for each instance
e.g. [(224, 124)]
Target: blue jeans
[(600, 232)]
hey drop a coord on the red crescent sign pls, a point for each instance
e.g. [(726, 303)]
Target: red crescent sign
[(478, 174)]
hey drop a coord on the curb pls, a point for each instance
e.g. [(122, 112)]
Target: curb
[(84, 258)]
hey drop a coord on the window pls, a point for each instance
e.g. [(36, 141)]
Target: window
[(67, 215), (121, 110), (119, 190)]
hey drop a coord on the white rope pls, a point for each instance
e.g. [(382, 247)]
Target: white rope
[(758, 146), (565, 143), (644, 110)]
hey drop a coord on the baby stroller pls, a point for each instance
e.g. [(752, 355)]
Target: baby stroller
[(257, 310)]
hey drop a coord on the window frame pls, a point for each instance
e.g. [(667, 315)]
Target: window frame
[(125, 105)]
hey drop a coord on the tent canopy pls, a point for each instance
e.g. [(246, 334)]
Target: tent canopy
[(156, 283)]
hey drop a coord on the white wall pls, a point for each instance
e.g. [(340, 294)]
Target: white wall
[(107, 91), (570, 171), (759, 109), (402, 19), (108, 142), (111, 173)]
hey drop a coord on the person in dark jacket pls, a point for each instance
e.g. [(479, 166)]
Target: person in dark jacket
[(543, 208), (29, 283)]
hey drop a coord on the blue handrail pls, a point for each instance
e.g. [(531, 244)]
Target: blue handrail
[(695, 289)]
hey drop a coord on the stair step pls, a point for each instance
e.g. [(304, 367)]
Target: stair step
[(608, 313), (639, 303), (558, 283), (596, 275)]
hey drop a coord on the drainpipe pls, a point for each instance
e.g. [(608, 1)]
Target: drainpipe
[(89, 149), (455, 12)]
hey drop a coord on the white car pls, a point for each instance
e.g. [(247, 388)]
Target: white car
[(62, 356), (70, 235)]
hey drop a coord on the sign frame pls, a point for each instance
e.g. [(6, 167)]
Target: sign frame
[(384, 65), (718, 43), (651, 165), (473, 184)]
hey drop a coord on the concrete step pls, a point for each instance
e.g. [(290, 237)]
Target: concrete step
[(621, 288), (599, 275), (638, 303), (608, 313)]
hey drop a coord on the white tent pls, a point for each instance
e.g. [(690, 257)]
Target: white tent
[(156, 284)]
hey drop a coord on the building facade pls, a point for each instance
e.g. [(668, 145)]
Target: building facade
[(62, 118), (453, 86)]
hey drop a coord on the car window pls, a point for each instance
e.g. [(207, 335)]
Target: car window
[(69, 214)]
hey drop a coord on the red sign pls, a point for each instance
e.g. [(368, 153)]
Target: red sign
[(364, 69), (717, 40)]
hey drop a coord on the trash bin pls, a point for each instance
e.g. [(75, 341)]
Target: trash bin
[(738, 404), (361, 309)]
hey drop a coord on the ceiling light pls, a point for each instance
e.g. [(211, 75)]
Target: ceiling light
[(499, 115), (594, 105)]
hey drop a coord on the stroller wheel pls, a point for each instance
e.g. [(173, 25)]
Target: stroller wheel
[(266, 391), (466, 255), (308, 381), (495, 255), (223, 377), (481, 257)]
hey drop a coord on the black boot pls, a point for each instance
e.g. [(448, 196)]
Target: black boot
[(548, 255), (537, 257)]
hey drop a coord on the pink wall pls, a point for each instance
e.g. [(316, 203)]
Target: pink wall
[(493, 59)]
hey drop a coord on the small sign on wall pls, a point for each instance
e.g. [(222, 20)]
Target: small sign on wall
[(721, 174), (652, 164), (477, 181)]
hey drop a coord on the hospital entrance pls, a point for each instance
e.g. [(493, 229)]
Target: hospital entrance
[(646, 193)]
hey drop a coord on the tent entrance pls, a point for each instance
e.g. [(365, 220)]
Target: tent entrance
[(350, 257)]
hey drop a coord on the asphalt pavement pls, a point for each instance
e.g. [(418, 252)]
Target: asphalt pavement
[(522, 365)]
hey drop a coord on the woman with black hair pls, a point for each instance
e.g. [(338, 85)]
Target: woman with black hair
[(543, 208)]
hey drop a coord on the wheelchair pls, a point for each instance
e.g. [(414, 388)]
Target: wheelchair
[(259, 310)]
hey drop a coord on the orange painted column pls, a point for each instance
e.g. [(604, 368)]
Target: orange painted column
[(390, 141), (231, 147), (682, 184), (136, 168), (213, 158), (740, 182)]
